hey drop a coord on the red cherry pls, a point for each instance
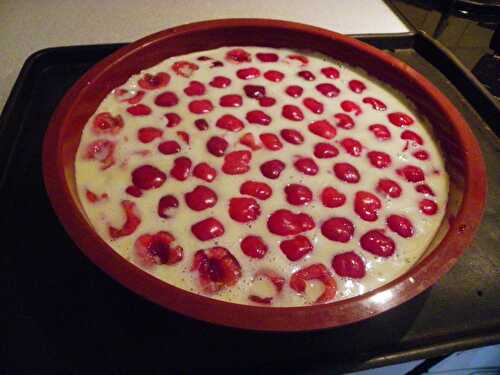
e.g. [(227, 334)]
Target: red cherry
[(344, 121), (104, 123), (217, 268), (184, 68), (165, 203), (152, 82), (319, 272), (306, 75), (401, 225), (346, 172), (380, 132), (200, 198), (157, 248), (254, 247), (408, 135), (349, 264), (201, 124), (272, 168), (244, 209), (375, 103), (267, 57), (148, 177), (258, 117), (313, 105), (169, 147), (204, 172), (254, 91), (230, 122), (421, 155), (259, 190), (238, 56), (294, 91), (132, 221), (292, 136), (424, 189), (330, 72), (267, 102), (389, 188), (236, 162), (292, 113), (322, 128), (148, 134), (357, 86), (332, 198), (139, 110), (325, 150), (131, 190), (377, 243), (303, 59), (338, 229), (349, 106), (248, 73), (328, 89), (200, 107), (195, 88), (271, 141), (220, 82), (296, 248), (352, 146), (379, 159), (231, 101), (411, 173), (366, 205), (286, 223), (274, 76), (298, 195), (400, 119), (428, 207), (217, 146), (173, 119), (167, 99), (182, 167), (207, 229), (248, 140), (307, 166)]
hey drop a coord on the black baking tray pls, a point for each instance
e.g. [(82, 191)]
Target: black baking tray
[(63, 315)]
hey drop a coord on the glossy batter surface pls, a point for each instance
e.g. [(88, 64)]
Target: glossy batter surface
[(262, 176)]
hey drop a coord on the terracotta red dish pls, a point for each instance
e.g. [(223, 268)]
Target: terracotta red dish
[(464, 164)]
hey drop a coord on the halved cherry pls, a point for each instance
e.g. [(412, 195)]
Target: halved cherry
[(130, 97), (352, 146), (207, 229), (169, 147), (332, 198), (306, 75), (166, 203), (277, 281), (296, 248), (217, 146), (201, 124), (157, 248), (132, 221), (367, 205), (199, 107), (254, 91), (319, 272), (274, 76), (238, 56), (181, 168), (101, 150), (428, 207), (248, 140), (267, 57), (93, 197), (217, 268), (148, 134), (237, 162), (301, 58), (104, 123), (379, 159), (200, 198), (173, 119), (409, 135), (231, 100), (313, 105), (153, 82), (248, 73), (349, 264), (184, 68), (424, 189), (376, 104), (205, 172), (259, 190), (294, 91), (285, 223)]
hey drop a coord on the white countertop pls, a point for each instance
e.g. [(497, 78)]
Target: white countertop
[(27, 26)]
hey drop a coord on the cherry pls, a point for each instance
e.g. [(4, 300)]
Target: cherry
[(230, 122), (344, 121), (352, 146), (316, 271), (217, 146), (236, 162), (182, 167), (306, 75), (152, 249), (231, 101), (173, 119), (259, 190), (421, 155), (377, 243), (133, 191), (195, 88), (379, 159), (408, 135), (267, 102), (375, 103), (313, 105), (307, 166), (322, 128), (332, 198), (380, 132), (294, 91), (303, 59), (272, 168), (346, 172), (104, 123), (400, 119), (184, 68), (424, 189), (220, 82), (165, 203), (148, 177), (248, 140), (292, 136), (200, 107), (101, 150), (217, 268), (207, 229), (254, 91), (167, 99), (411, 173), (201, 124), (271, 141), (139, 110), (254, 247), (152, 82), (266, 57), (248, 73), (296, 248), (169, 147), (325, 151), (357, 86), (366, 205), (338, 229), (349, 264), (286, 223), (274, 76), (389, 188), (292, 113), (200, 198), (330, 72), (428, 207), (244, 209), (401, 225), (258, 117), (328, 89), (298, 195), (238, 56), (132, 221), (349, 106), (204, 172)]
